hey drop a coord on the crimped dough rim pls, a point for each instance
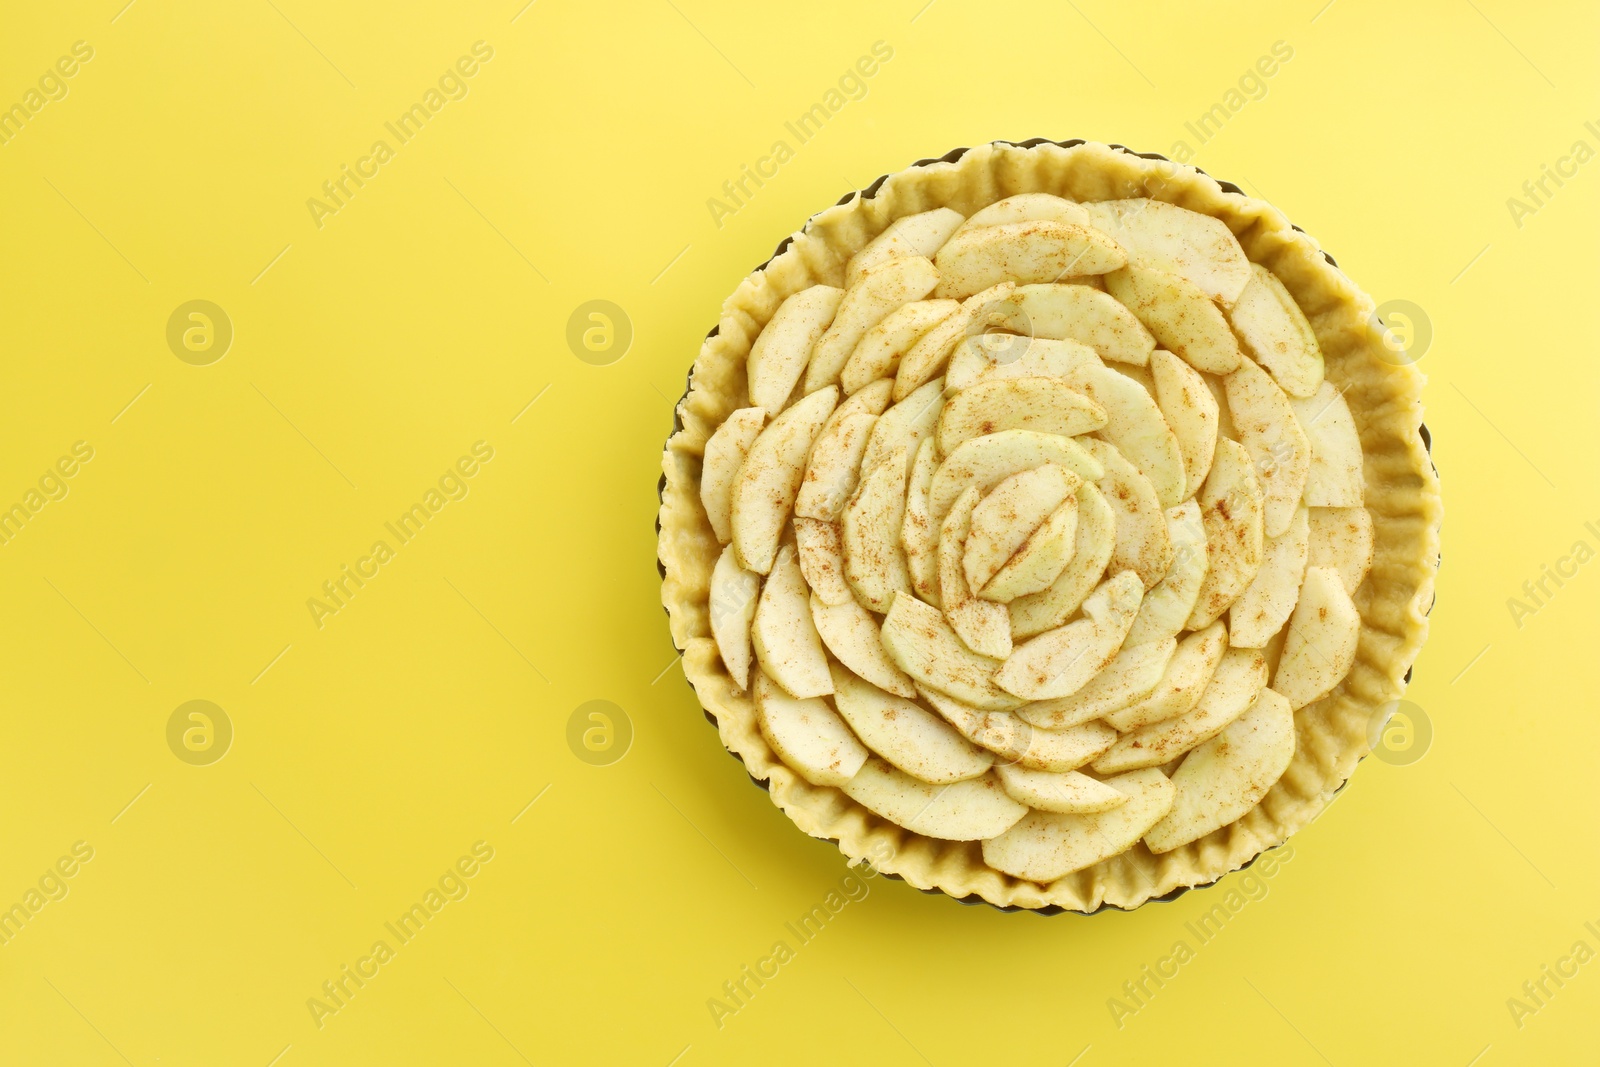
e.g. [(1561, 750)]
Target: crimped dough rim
[(1402, 495)]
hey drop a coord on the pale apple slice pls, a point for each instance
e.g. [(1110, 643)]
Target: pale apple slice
[(988, 460), (1044, 405), (780, 354), (1092, 548), (909, 736), (1231, 509), (1166, 608), (1060, 662), (1076, 312), (1135, 425), (921, 643), (1019, 743), (881, 290), (1044, 554), (960, 811), (1010, 512), (991, 357), (1276, 334), (1167, 237), (1188, 673), (808, 735), (733, 606), (1238, 679), (1027, 207), (1264, 606), (850, 632), (905, 424), (874, 562), (1180, 316), (1131, 676), (1341, 538), (984, 626), (783, 634), (834, 468), (1264, 423), (1068, 792), (1221, 780), (769, 479), (1046, 846), (725, 451), (1335, 478), (1039, 250), (1143, 544), (877, 354), (1189, 408), (918, 534), (928, 356), (821, 553), (910, 235), (1321, 645)]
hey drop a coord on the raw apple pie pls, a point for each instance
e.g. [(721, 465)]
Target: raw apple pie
[(1048, 525)]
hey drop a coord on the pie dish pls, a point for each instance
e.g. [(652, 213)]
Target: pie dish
[(1049, 525)]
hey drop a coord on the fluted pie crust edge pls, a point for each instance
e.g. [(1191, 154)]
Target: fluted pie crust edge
[(1401, 487)]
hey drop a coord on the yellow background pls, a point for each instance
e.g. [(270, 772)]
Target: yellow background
[(369, 354)]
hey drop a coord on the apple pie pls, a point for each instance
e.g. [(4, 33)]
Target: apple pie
[(1047, 524)]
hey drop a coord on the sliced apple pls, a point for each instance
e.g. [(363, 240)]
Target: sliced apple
[(1189, 408), (784, 636), (1092, 548), (1188, 673), (874, 562), (1135, 425), (769, 479), (881, 290), (921, 643), (960, 811), (1027, 207), (1131, 676), (877, 354), (928, 356), (1341, 538), (1264, 606), (1238, 679), (909, 736), (1076, 312), (807, 735), (780, 354), (1010, 512), (1264, 423), (1039, 250), (850, 632), (1231, 509), (1199, 248), (1276, 334), (1068, 792), (733, 606), (984, 626), (1221, 780), (988, 460), (1044, 405), (1046, 846), (905, 424), (990, 357), (1321, 645), (1335, 478), (821, 553), (1166, 608), (1059, 662), (1043, 555), (1179, 314), (1141, 525), (834, 468), (910, 235), (1019, 743), (725, 451), (918, 534)]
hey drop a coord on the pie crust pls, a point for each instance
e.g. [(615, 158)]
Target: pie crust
[(1401, 495)]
